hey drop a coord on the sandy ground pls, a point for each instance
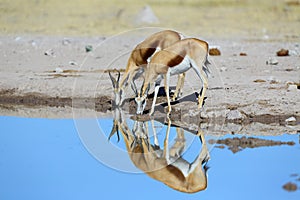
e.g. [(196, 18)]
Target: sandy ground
[(53, 71), (45, 68)]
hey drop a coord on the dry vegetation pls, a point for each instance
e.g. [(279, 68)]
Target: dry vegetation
[(218, 18)]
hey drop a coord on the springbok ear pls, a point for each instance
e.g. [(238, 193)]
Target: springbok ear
[(113, 80), (133, 87), (114, 129)]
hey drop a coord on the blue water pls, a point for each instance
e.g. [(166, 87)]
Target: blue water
[(45, 159)]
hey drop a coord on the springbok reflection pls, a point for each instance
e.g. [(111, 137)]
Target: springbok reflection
[(165, 165)]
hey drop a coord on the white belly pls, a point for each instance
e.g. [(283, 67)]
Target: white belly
[(181, 67)]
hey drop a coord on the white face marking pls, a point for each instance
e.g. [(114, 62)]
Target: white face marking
[(141, 104), (181, 67), (139, 130), (118, 97)]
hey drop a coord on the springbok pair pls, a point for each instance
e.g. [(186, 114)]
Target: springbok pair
[(165, 165), (160, 56)]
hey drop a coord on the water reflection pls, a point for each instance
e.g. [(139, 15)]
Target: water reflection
[(45, 159), (165, 164)]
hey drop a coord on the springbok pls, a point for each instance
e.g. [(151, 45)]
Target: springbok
[(160, 164), (139, 58), (175, 59)]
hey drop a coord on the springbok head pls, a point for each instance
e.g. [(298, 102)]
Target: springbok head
[(118, 92), (140, 97)]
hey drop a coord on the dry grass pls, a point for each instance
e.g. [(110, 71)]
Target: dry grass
[(221, 18)]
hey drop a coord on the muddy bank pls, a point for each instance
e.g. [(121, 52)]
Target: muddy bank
[(103, 104), (9, 99), (238, 144), (39, 105)]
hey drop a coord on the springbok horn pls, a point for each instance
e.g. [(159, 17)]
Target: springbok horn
[(113, 80), (118, 134), (133, 86), (113, 130), (142, 86), (118, 79)]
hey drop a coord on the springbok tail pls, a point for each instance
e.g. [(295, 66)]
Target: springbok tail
[(206, 68), (182, 36)]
